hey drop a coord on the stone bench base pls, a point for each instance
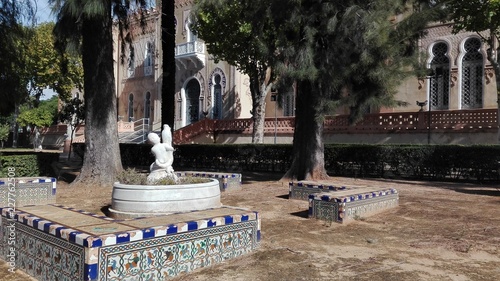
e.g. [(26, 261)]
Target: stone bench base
[(227, 181), (346, 206), (53, 242), (27, 191)]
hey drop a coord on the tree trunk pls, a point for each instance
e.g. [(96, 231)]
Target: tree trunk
[(102, 159), (493, 57), (308, 150), (168, 63), (258, 89)]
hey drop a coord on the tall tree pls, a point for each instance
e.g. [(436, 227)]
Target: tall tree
[(73, 114), (480, 16), (168, 62), (86, 25), (13, 39), (42, 116), (342, 53), (241, 32), (48, 68)]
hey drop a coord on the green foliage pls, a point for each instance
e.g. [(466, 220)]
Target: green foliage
[(421, 162), (13, 44), (62, 72), (72, 112), (4, 132), (42, 116), (239, 32), (242, 33), (475, 15), (27, 164), (351, 51)]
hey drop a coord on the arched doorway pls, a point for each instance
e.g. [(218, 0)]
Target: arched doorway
[(192, 101)]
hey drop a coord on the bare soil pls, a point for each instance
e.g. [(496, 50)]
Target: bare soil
[(440, 231)]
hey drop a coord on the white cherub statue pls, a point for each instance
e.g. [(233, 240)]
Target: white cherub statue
[(164, 155)]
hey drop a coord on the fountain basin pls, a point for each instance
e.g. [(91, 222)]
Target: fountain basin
[(132, 201)]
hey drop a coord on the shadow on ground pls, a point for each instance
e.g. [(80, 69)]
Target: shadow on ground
[(249, 177)]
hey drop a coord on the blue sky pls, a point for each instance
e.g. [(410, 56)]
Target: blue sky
[(43, 11)]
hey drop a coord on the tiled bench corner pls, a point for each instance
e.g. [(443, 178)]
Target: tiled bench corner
[(302, 189), (53, 242), (227, 181), (25, 191), (349, 205)]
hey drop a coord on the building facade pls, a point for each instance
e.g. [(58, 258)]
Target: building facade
[(461, 79)]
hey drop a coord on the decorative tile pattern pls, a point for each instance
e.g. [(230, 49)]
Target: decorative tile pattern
[(301, 190), (44, 256), (345, 207), (108, 249), (164, 257), (227, 182), (27, 191)]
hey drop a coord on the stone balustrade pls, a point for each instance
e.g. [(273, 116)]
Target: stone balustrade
[(465, 121)]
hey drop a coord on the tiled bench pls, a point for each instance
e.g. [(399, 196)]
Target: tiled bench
[(227, 181), (27, 191), (302, 189), (53, 242), (346, 206)]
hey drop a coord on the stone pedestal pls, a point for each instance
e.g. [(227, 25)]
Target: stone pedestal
[(131, 201)]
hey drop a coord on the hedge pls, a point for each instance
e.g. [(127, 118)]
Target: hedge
[(27, 164), (417, 162)]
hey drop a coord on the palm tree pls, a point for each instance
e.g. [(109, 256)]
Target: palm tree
[(86, 25)]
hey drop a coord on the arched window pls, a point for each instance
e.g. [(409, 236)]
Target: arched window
[(288, 104), (439, 95), (217, 110), (192, 101), (217, 85), (131, 64), (148, 59), (472, 74), (131, 107), (147, 105), (191, 37)]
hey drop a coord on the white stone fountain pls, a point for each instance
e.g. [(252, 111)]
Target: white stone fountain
[(131, 201)]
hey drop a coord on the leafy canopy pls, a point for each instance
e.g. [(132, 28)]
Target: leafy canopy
[(12, 46), (240, 32), (48, 68), (356, 53), (475, 15), (42, 116)]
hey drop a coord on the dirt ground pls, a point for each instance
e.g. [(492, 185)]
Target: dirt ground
[(440, 231)]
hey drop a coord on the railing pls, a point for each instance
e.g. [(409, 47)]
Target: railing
[(138, 130), (189, 48), (466, 121), (124, 127), (441, 121)]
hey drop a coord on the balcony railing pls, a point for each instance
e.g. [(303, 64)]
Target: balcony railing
[(189, 48), (482, 120), (459, 121)]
